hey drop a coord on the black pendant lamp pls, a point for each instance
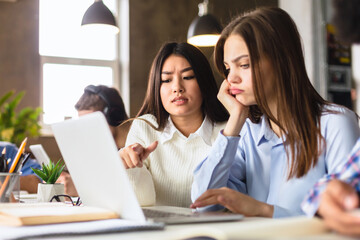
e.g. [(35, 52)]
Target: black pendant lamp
[(99, 16), (204, 30)]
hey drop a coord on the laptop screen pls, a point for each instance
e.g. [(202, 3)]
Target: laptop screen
[(91, 156)]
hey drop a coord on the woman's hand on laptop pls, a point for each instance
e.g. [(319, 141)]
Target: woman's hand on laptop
[(234, 201), (134, 155)]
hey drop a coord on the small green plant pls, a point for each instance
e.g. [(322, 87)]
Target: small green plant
[(15, 126), (50, 172)]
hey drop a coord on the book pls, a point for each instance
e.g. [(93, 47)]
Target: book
[(76, 229), (20, 214), (23, 220)]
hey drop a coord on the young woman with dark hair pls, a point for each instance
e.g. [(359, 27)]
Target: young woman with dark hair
[(281, 136), (178, 122)]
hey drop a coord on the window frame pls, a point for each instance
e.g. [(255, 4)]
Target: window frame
[(119, 66)]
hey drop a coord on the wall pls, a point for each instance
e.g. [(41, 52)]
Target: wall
[(19, 57), (309, 16), (154, 22), (151, 23), (19, 51), (301, 12)]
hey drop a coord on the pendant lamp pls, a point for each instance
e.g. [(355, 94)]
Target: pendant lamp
[(204, 30), (100, 17)]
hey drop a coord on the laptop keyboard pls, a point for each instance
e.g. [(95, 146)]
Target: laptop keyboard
[(151, 213)]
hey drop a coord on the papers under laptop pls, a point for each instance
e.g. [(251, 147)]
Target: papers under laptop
[(100, 178)]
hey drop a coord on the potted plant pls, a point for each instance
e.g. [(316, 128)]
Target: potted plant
[(49, 174), (14, 127)]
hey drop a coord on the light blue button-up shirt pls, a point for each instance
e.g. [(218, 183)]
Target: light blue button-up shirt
[(256, 163)]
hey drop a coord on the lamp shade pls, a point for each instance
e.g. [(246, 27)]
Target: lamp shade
[(98, 13), (204, 31)]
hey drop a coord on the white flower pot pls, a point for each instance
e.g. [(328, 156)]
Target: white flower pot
[(46, 191)]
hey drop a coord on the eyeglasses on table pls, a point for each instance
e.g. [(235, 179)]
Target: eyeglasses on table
[(74, 203)]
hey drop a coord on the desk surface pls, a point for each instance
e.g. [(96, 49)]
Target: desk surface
[(249, 228)]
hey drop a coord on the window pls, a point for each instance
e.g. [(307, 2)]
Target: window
[(72, 58)]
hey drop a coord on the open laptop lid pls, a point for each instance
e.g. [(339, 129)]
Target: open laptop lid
[(40, 154), (90, 154)]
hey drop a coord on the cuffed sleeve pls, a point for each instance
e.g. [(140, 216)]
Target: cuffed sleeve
[(280, 212), (214, 170)]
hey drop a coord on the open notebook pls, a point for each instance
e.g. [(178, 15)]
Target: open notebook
[(100, 178)]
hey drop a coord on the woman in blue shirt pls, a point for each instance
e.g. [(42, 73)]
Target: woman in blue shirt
[(282, 136)]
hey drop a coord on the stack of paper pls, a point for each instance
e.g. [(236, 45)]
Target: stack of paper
[(52, 219), (77, 228)]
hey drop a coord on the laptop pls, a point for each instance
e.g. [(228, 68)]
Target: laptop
[(40, 154), (91, 156)]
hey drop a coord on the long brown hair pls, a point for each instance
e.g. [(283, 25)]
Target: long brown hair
[(211, 106), (270, 33)]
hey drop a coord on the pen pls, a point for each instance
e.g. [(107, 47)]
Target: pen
[(7, 164), (3, 152), (18, 166), (3, 163), (22, 163), (27, 156), (16, 160)]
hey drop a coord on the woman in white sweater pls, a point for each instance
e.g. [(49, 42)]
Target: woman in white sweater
[(178, 122)]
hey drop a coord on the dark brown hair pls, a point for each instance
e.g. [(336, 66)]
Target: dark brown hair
[(211, 106), (90, 101), (271, 34), (104, 99)]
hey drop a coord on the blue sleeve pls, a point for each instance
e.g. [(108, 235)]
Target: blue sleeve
[(26, 169), (341, 133), (224, 167), (280, 212)]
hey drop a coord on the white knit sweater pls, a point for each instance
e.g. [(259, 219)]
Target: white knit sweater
[(167, 174)]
